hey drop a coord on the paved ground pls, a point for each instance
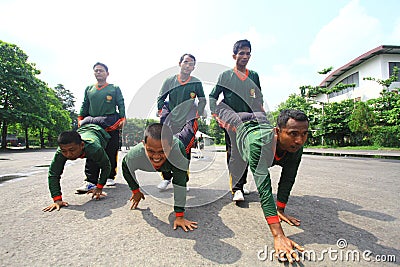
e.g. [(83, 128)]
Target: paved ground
[(340, 200)]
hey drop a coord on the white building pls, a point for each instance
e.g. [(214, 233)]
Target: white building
[(377, 63), (208, 140)]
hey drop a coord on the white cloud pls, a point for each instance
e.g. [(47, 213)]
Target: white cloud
[(351, 33), (219, 50), (282, 81), (347, 36)]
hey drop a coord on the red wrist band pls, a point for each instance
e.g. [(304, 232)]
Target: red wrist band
[(100, 186), (57, 198), (272, 219), (280, 204)]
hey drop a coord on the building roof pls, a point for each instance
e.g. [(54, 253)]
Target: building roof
[(383, 49), (198, 133)]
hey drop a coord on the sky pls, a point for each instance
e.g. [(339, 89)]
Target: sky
[(142, 41)]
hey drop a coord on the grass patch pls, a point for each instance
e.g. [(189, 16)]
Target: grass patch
[(358, 148)]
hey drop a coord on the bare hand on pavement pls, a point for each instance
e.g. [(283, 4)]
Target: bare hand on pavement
[(185, 224), (97, 193), (135, 198), (289, 219), (56, 206), (285, 249)]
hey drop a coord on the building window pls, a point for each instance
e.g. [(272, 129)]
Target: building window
[(391, 66), (351, 79)]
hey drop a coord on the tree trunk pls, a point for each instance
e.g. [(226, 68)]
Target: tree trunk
[(26, 138), (4, 135), (41, 131), (4, 126)]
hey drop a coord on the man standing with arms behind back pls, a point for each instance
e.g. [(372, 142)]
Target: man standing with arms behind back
[(242, 93), (181, 113), (103, 104)]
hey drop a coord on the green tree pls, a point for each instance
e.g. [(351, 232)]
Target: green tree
[(360, 122), (346, 123), (311, 91), (386, 109), (37, 112), (134, 130), (306, 105), (216, 132), (45, 115), (387, 106), (58, 118), (203, 127), (361, 119), (326, 70), (17, 87), (295, 102), (68, 103), (335, 122)]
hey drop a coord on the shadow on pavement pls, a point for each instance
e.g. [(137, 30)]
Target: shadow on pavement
[(195, 197), (117, 196), (321, 224), (208, 236)]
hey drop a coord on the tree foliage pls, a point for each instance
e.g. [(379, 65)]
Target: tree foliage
[(215, 131), (25, 100), (386, 108), (334, 125), (133, 131), (361, 119), (18, 87), (203, 127), (296, 102), (326, 71), (349, 123), (312, 91), (361, 122), (67, 100)]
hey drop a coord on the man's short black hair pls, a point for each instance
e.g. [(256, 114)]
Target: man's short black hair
[(158, 131), (101, 64), (286, 114), (69, 137), (189, 55), (240, 44)]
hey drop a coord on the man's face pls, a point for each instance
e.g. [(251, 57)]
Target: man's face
[(72, 151), (157, 151), (187, 65), (243, 56), (292, 137), (100, 73)]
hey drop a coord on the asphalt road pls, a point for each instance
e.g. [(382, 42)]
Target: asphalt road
[(348, 207)]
